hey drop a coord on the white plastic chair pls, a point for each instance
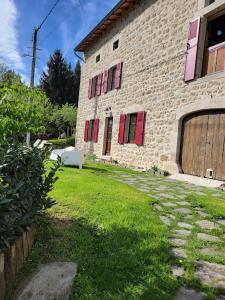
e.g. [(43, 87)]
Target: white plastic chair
[(42, 144), (36, 143)]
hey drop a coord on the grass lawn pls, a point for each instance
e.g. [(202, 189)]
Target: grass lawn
[(112, 232)]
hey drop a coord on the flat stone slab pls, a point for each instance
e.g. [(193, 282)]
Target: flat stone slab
[(178, 271), (185, 225), (202, 214), (212, 252), (183, 232), (52, 281), (178, 252), (205, 224), (208, 237), (169, 204), (211, 274), (222, 222), (165, 220), (178, 242), (158, 207), (183, 203), (183, 210), (187, 294)]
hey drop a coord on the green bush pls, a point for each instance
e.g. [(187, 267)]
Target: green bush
[(63, 142), (24, 187)]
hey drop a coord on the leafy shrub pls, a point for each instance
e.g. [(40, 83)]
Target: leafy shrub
[(24, 188), (63, 142), (155, 170)]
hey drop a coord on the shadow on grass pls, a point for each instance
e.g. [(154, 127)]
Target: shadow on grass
[(119, 263)]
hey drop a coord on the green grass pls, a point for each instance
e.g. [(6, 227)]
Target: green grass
[(112, 232)]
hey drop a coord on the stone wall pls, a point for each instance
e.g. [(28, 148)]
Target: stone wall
[(12, 260), (152, 45)]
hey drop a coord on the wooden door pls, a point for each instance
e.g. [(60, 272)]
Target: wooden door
[(203, 144), (108, 136)]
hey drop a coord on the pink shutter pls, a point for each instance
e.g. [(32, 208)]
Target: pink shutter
[(90, 89), (140, 128), (105, 82), (86, 131), (99, 87), (118, 75), (121, 129), (96, 127), (192, 49)]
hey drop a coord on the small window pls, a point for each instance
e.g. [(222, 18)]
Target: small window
[(98, 58), (91, 130), (115, 45)]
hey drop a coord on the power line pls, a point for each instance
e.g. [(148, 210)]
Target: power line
[(51, 10)]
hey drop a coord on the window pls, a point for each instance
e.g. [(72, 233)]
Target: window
[(91, 130), (208, 2), (98, 58), (115, 45), (111, 78), (214, 56), (132, 129), (94, 86)]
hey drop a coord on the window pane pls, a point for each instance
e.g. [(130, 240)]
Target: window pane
[(132, 129)]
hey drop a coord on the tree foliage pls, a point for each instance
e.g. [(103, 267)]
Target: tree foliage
[(8, 77), (60, 82), (22, 110)]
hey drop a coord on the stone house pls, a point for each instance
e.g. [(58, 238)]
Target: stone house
[(153, 86)]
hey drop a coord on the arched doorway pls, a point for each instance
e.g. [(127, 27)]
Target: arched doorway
[(203, 144)]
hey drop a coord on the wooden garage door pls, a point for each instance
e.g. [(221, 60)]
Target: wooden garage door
[(203, 144)]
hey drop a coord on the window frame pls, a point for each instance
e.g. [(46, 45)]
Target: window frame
[(91, 130), (116, 45), (98, 58), (130, 136), (111, 78)]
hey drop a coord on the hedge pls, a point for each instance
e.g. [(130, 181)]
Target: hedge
[(63, 142), (24, 187)]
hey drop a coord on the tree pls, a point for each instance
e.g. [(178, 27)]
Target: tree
[(77, 76), (59, 82), (8, 77), (64, 119), (18, 115)]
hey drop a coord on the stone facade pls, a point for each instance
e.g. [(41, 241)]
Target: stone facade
[(152, 45)]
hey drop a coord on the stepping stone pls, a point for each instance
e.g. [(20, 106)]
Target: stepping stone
[(202, 214), (51, 281), (169, 204), (187, 217), (183, 232), (183, 210), (178, 252), (212, 252), (178, 242), (205, 224), (185, 225), (211, 274), (222, 222), (165, 220), (207, 237), (178, 271), (183, 203), (187, 294), (167, 196), (158, 207)]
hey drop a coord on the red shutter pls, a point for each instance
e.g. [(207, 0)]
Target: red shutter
[(90, 89), (105, 82), (121, 129), (140, 128), (86, 131), (99, 87), (96, 127), (192, 49), (118, 75)]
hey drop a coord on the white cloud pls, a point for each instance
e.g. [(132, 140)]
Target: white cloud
[(9, 53)]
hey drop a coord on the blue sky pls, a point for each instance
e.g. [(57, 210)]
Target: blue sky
[(70, 21)]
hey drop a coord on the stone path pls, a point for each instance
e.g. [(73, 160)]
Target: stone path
[(196, 237)]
